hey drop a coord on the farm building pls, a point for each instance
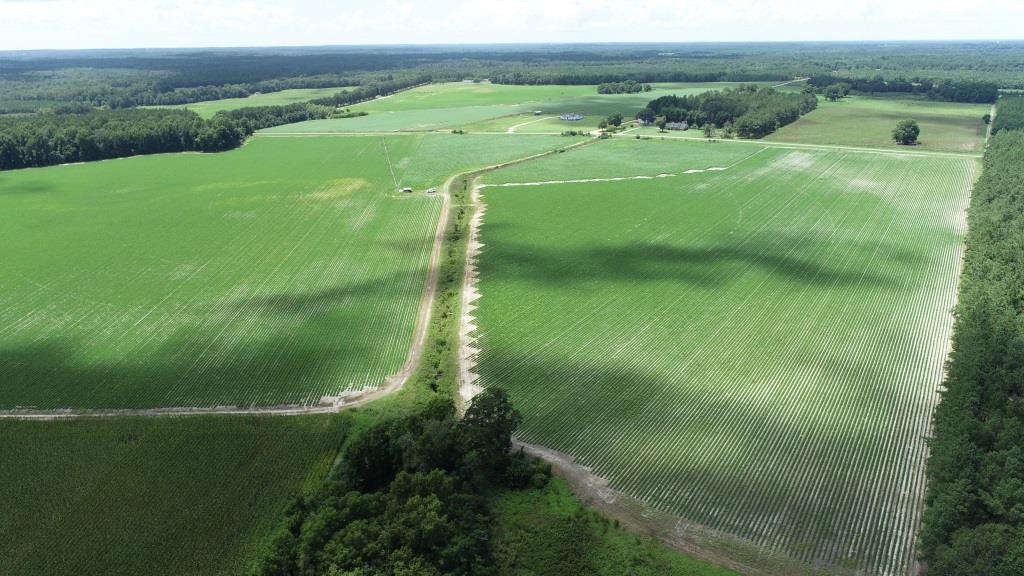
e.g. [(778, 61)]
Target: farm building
[(571, 117), (407, 190), (677, 125)]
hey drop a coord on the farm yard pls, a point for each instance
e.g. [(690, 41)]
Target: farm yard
[(283, 272), (756, 348), (161, 496)]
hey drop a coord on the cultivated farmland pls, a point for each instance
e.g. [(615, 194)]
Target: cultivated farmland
[(752, 341), (158, 496), (280, 273), (208, 108)]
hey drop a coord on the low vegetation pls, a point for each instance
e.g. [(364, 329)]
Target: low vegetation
[(547, 532), (974, 520)]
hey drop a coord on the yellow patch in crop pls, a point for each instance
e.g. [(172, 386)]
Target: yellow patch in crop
[(337, 189)]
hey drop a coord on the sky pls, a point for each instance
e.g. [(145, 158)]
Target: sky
[(68, 24)]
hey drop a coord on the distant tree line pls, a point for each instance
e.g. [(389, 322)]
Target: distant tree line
[(640, 73), (627, 87), (371, 91), (1009, 114), (409, 496), (749, 111), (80, 133), (973, 522), (46, 139), (948, 90)]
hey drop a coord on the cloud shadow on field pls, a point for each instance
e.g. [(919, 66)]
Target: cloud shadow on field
[(792, 257), (189, 370), (23, 188)]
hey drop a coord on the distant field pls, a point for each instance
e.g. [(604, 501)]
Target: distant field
[(486, 107), (156, 496), (278, 273), (867, 121), (756, 348), (210, 107)]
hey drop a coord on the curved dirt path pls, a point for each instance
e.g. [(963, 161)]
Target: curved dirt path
[(512, 129)]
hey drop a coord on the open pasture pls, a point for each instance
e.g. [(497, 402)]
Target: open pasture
[(159, 496), (756, 348), (279, 273), (868, 122), (208, 108)]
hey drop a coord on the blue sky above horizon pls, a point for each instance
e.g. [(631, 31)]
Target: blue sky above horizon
[(70, 24)]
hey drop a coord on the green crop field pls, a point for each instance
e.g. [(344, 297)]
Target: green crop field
[(753, 341), (208, 108), (156, 496), (868, 121), (279, 273), (485, 107)]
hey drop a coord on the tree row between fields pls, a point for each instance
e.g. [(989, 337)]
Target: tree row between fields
[(76, 134), (974, 520)]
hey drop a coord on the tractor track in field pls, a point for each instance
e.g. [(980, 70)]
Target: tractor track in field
[(328, 404)]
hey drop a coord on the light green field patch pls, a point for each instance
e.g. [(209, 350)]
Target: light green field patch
[(868, 122), (757, 349), (208, 108), (278, 273), (462, 94)]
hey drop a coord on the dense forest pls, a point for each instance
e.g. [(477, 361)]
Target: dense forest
[(748, 111), (1010, 114), (974, 520), (410, 496), (948, 90), (124, 78)]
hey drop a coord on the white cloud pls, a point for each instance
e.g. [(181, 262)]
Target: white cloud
[(29, 24)]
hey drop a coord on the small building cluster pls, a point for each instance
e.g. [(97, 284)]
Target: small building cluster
[(571, 117)]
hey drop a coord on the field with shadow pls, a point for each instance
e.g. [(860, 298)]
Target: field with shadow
[(756, 349), (278, 273)]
